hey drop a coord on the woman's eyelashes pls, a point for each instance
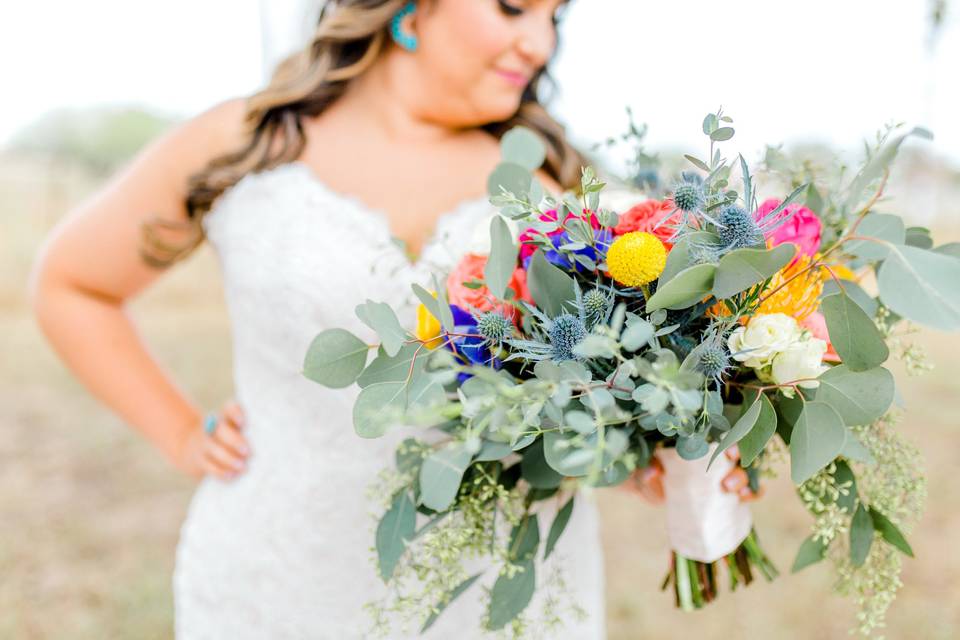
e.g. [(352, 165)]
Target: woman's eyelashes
[(512, 10), (509, 9)]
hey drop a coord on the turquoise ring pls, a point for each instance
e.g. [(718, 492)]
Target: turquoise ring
[(210, 423)]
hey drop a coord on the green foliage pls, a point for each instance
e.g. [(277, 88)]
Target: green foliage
[(394, 531), (753, 443), (551, 288), (861, 536), (811, 552), (921, 285), (503, 258), (859, 397), (523, 147), (556, 529), (853, 334), (335, 358), (817, 439), (686, 288), (743, 268), (440, 475), (381, 318)]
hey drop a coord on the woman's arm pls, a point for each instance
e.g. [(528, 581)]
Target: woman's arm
[(90, 266)]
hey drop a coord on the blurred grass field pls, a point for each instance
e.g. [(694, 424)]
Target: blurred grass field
[(89, 513)]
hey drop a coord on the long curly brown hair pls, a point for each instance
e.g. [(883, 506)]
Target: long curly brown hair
[(349, 37)]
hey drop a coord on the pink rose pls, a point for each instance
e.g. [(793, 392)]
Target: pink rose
[(803, 228), (528, 247)]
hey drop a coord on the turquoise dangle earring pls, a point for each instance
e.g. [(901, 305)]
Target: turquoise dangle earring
[(407, 41)]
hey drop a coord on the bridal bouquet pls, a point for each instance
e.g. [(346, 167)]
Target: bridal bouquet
[(589, 342)]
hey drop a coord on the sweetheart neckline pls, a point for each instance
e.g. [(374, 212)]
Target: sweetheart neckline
[(377, 214)]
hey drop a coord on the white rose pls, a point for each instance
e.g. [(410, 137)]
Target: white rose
[(763, 338), (801, 360)]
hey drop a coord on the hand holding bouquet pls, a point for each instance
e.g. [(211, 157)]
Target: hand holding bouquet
[(589, 344)]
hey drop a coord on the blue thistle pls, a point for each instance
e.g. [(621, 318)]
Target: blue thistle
[(737, 228), (494, 326), (713, 360), (688, 197), (566, 331), (596, 304)]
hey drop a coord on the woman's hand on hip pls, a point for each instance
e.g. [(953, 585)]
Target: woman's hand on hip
[(223, 453), (648, 482)]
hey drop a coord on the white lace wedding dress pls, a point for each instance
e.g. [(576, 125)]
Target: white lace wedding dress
[(285, 550)]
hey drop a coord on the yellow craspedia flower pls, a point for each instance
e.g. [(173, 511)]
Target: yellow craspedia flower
[(636, 258), (428, 327)]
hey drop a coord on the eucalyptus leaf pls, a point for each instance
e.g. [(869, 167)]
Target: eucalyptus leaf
[(853, 449), (460, 588), (861, 536), (536, 471), (890, 532), (511, 595), (503, 258), (685, 289), (335, 358), (520, 145), (443, 307), (880, 161), (440, 476), (376, 404), (755, 440), (722, 134), (491, 450), (382, 319), (865, 301), (921, 285), (853, 334), (739, 430), (743, 268), (858, 397), (692, 447), (811, 552), (817, 439), (385, 368), (396, 528), (556, 529), (679, 257), (427, 300), (550, 287), (513, 177), (882, 226), (636, 335)]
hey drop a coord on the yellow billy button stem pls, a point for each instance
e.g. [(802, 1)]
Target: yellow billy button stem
[(636, 258), (428, 327)]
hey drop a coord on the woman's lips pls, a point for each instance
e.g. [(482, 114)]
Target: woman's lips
[(514, 78)]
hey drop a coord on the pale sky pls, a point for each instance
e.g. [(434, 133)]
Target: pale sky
[(831, 70)]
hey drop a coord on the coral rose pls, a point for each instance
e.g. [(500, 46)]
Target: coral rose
[(646, 216)]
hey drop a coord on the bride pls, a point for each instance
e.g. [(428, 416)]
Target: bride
[(360, 168)]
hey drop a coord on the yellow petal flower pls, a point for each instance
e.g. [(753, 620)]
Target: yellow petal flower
[(636, 258), (428, 327)]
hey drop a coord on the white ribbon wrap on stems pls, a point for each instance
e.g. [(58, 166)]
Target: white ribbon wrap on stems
[(704, 522)]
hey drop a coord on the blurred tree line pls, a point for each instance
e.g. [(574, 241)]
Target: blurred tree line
[(101, 139)]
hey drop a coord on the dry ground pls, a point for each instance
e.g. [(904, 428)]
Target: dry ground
[(89, 513)]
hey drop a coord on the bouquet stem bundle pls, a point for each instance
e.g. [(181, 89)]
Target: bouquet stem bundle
[(695, 582)]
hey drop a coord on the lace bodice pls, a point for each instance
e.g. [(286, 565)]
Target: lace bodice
[(284, 551)]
